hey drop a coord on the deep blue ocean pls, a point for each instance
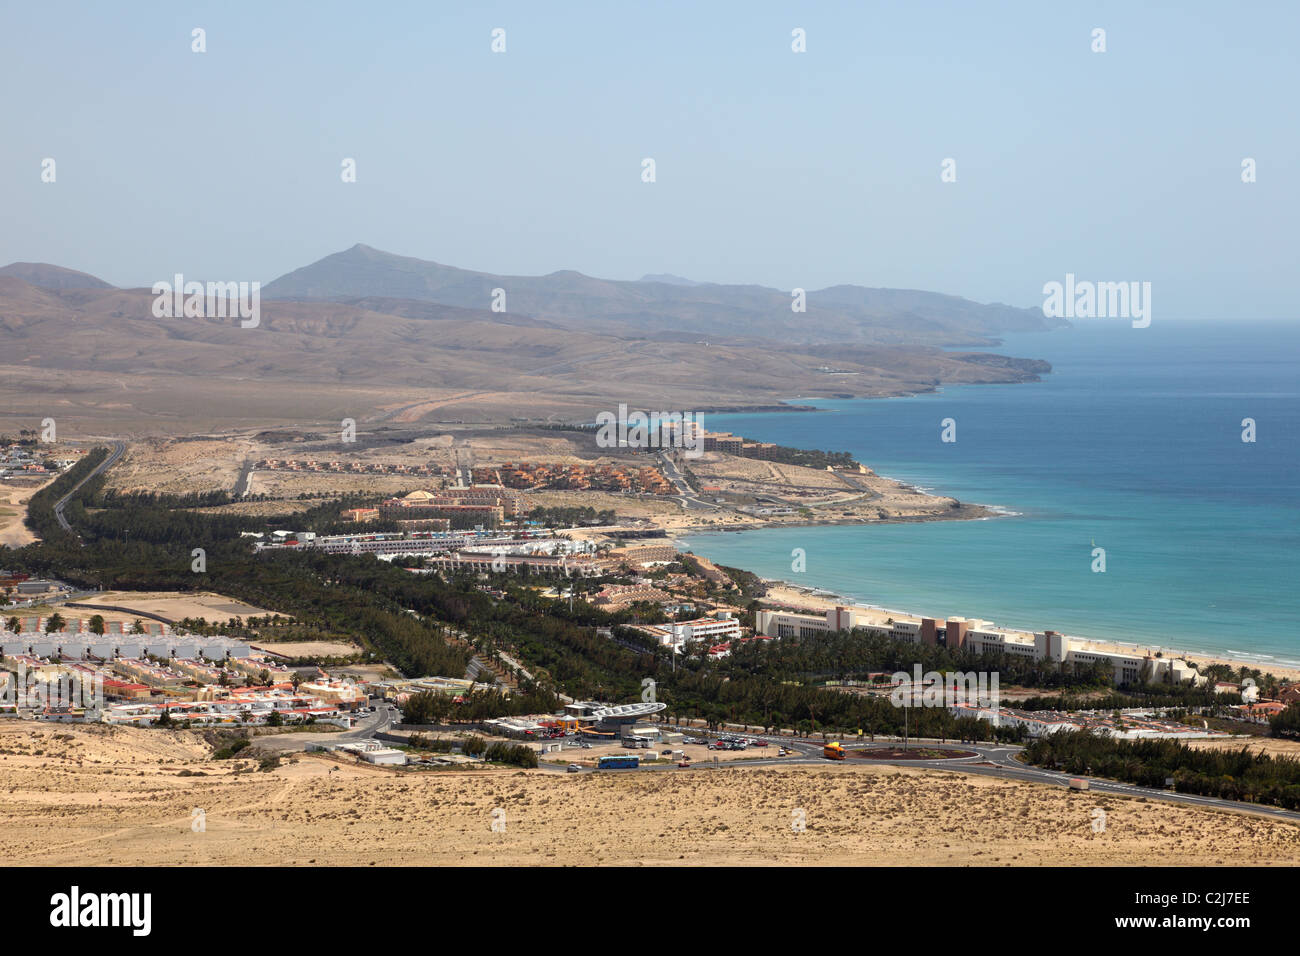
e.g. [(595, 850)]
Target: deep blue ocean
[(1133, 442)]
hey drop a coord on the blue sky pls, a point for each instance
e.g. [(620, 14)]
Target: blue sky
[(773, 167)]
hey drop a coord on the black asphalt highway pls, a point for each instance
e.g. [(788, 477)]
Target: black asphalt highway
[(118, 450)]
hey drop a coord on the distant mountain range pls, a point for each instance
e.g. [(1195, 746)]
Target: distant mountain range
[(387, 339), (666, 307), (669, 279), (46, 276)]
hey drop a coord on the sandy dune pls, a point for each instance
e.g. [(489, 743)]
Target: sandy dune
[(74, 795), (13, 513)]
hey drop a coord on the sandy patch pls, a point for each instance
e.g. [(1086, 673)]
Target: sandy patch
[(308, 648), (13, 512), (175, 605), (115, 797)]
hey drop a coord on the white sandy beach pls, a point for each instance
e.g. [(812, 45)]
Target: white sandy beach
[(816, 599)]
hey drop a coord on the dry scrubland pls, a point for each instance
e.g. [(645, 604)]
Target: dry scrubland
[(1266, 745), (626, 506), (816, 495), (214, 462), (98, 360), (832, 495), (309, 648), (260, 509), (173, 605), (13, 513), (717, 467), (179, 467), (291, 484), (495, 448), (94, 795)]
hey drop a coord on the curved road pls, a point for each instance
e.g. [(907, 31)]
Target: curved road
[(118, 450), (685, 496), (366, 728), (993, 760)]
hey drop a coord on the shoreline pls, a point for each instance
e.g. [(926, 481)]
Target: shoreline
[(781, 593), (965, 513), (820, 599)]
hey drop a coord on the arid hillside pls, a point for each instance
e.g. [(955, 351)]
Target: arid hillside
[(670, 310), (98, 361)]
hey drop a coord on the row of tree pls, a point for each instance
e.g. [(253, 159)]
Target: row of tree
[(1228, 774)]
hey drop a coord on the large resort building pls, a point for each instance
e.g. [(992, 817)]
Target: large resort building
[(490, 504), (979, 637)]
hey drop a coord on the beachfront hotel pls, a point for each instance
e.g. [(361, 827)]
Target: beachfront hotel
[(979, 637)]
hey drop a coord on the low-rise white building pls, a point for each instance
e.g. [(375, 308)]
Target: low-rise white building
[(385, 757), (720, 629)]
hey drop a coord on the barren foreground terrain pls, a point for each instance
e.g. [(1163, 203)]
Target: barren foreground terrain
[(99, 795), (14, 532), (173, 605)]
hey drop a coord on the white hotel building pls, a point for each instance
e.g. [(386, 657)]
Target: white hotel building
[(714, 630), (979, 637)]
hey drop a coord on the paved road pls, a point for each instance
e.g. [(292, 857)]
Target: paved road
[(244, 481), (118, 450), (993, 760), (1007, 766), (687, 497), (371, 724), (366, 728)]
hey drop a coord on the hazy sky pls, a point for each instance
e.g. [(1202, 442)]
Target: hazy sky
[(773, 167)]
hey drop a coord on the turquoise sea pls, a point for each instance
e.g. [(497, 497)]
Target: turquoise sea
[(1132, 444)]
